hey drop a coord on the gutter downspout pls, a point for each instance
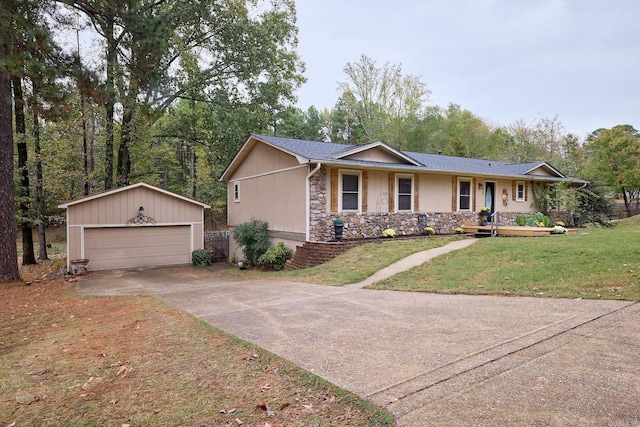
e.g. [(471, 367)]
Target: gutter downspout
[(308, 201)]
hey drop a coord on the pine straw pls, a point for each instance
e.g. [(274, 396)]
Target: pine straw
[(69, 360)]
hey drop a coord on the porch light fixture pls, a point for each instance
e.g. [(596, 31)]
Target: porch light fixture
[(141, 210), (479, 187)]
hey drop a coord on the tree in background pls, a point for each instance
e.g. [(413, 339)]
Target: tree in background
[(299, 124), (613, 157), (382, 97), (342, 122), (215, 51)]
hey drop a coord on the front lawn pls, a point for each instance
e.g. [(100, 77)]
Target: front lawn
[(597, 263), (356, 264)]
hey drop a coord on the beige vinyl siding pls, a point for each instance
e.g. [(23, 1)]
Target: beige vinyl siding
[(376, 155), (120, 207), (262, 159), (127, 247), (278, 198)]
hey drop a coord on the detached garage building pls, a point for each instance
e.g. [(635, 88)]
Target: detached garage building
[(135, 226)]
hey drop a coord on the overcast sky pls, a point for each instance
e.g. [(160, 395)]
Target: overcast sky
[(503, 60)]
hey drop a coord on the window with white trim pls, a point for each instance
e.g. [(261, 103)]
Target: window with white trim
[(520, 191), (236, 191), (404, 193), (350, 191), (464, 195)]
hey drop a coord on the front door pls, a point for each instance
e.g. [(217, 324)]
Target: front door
[(489, 196)]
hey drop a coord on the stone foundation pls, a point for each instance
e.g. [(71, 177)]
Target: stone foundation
[(371, 225)]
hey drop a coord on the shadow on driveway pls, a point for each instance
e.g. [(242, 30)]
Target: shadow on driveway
[(430, 359)]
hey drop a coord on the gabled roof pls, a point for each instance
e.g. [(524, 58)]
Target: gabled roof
[(381, 145), (337, 154), (127, 188)]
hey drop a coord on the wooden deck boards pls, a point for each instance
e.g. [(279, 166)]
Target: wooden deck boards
[(513, 230)]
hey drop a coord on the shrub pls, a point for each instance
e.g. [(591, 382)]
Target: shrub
[(275, 258), (459, 230), (538, 219), (201, 258), (253, 238), (389, 232), (560, 223), (558, 229), (429, 231)]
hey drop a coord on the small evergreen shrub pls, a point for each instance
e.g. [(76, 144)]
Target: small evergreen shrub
[(275, 258), (201, 258), (253, 238), (429, 231), (459, 230), (389, 232)]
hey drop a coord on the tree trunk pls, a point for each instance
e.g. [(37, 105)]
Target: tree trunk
[(8, 250), (24, 196), (124, 155), (42, 225), (627, 202), (109, 106)]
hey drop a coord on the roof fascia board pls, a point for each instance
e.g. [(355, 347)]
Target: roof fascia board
[(127, 188), (384, 146)]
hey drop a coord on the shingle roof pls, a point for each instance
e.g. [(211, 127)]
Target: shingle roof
[(329, 152)]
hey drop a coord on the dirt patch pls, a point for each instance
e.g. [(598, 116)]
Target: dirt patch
[(72, 360)]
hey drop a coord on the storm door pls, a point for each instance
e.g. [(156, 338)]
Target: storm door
[(489, 197)]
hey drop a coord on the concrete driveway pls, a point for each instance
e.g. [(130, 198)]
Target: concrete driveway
[(430, 359)]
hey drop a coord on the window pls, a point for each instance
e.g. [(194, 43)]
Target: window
[(464, 195), (350, 192), (405, 194), (236, 191), (520, 191)]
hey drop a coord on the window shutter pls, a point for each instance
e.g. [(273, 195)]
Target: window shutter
[(334, 190), (392, 192), (514, 190), (526, 193), (472, 194), (365, 181), (454, 194), (416, 193)]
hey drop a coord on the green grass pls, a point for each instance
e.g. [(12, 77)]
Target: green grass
[(356, 264), (598, 263)]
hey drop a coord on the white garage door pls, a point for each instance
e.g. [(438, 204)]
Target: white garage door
[(126, 247)]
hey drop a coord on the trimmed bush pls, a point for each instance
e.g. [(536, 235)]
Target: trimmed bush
[(253, 238), (201, 258), (275, 258)]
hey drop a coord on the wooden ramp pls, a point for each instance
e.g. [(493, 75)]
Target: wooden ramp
[(510, 230)]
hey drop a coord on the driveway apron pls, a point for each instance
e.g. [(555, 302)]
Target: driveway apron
[(430, 359)]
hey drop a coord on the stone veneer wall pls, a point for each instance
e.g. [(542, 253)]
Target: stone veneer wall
[(368, 225)]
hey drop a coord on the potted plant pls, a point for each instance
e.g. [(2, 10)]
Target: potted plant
[(338, 227), (484, 214)]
